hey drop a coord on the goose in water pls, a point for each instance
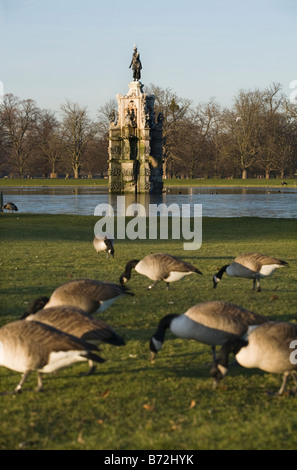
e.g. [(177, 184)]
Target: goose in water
[(250, 266), (159, 267), (90, 295), (270, 347), (211, 323), (76, 322), (27, 346)]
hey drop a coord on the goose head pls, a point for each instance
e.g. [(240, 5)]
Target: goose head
[(215, 280), (127, 273), (155, 346), (109, 246)]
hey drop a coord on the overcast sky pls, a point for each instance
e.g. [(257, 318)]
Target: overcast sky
[(53, 50)]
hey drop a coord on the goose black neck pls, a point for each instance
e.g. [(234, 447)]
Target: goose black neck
[(109, 245), (221, 271), (163, 326), (129, 266)]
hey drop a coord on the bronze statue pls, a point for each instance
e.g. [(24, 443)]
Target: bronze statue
[(136, 64)]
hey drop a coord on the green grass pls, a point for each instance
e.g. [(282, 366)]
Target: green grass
[(232, 182), (131, 403), (36, 182), (11, 182)]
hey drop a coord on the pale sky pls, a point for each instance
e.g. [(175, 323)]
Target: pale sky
[(53, 50)]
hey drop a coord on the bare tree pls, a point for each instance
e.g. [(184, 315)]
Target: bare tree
[(78, 130), (271, 128), (288, 157), (96, 157), (243, 124), (50, 139), (19, 119), (174, 110), (204, 122), (104, 114), (4, 146)]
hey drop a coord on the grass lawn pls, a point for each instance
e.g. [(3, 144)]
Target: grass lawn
[(44, 182), (11, 182), (131, 403), (232, 182)]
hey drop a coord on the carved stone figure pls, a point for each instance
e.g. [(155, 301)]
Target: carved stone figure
[(112, 117), (135, 140), (136, 64), (160, 118), (130, 118)]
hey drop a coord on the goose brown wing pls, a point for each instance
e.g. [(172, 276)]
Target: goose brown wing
[(255, 261), (76, 322), (281, 333), (29, 343), (273, 343), (169, 263), (224, 316), (52, 338), (91, 288)]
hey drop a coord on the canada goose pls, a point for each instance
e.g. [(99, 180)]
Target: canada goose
[(212, 323), (268, 347), (10, 206), (250, 266), (90, 295), (76, 322), (27, 346), (159, 267), (104, 244)]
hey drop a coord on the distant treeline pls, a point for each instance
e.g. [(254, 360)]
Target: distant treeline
[(256, 137)]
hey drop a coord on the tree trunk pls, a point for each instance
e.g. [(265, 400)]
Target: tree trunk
[(244, 174), (165, 168), (21, 171), (267, 174)]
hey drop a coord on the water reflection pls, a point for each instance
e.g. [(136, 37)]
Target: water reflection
[(216, 202)]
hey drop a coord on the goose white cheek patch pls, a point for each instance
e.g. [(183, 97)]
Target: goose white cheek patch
[(157, 344)]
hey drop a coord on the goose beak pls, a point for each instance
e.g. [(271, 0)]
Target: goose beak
[(215, 281), (123, 280), (152, 356)]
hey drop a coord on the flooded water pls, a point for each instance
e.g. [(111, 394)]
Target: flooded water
[(216, 201)]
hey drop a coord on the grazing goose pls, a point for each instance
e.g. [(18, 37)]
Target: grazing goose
[(27, 346), (211, 323), (267, 347), (159, 267), (76, 322), (10, 206), (90, 295), (250, 266), (104, 244)]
